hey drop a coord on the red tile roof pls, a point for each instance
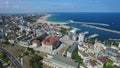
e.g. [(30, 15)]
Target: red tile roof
[(36, 41), (83, 53), (93, 62), (51, 40), (115, 66), (103, 59), (91, 55)]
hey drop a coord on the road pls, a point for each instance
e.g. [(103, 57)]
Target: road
[(12, 58)]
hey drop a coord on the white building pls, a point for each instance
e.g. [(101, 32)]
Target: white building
[(98, 48), (81, 37), (73, 34), (84, 56), (35, 43), (119, 45)]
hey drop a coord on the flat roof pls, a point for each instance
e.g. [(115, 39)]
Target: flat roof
[(112, 50), (103, 59), (73, 47), (65, 61)]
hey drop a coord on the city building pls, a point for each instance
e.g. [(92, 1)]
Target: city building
[(12, 41), (94, 64), (58, 61), (81, 47), (23, 43), (72, 34), (72, 49), (112, 53), (35, 43), (98, 48), (81, 37), (84, 56), (119, 45), (103, 60), (51, 42)]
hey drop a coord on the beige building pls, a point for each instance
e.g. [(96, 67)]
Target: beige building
[(51, 42)]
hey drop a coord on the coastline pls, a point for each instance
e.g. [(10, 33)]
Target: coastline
[(44, 20)]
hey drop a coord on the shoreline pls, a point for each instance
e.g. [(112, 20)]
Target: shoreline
[(44, 20)]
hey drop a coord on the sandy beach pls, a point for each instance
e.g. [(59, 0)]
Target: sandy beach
[(44, 20)]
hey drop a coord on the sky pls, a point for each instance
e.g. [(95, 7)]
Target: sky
[(32, 6)]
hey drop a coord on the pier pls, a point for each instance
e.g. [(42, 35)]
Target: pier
[(89, 23), (109, 30)]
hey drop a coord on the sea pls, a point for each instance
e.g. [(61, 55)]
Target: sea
[(112, 19)]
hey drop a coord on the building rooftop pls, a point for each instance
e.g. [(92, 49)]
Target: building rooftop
[(72, 48), (103, 59), (115, 66), (83, 53), (51, 40), (36, 41), (93, 63), (112, 50), (91, 55), (65, 61)]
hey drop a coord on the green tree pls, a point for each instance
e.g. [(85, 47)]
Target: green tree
[(31, 50), (71, 28), (108, 64), (115, 44), (64, 31), (76, 57), (35, 61), (3, 57), (91, 41), (1, 66), (107, 42)]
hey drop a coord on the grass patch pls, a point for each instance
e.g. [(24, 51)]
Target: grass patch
[(76, 57), (26, 62), (14, 49)]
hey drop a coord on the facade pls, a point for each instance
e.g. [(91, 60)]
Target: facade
[(84, 56), (81, 37), (94, 64), (119, 45), (35, 43), (81, 47), (73, 34), (23, 43), (98, 48), (112, 53), (12, 41), (51, 42), (103, 60), (72, 49)]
